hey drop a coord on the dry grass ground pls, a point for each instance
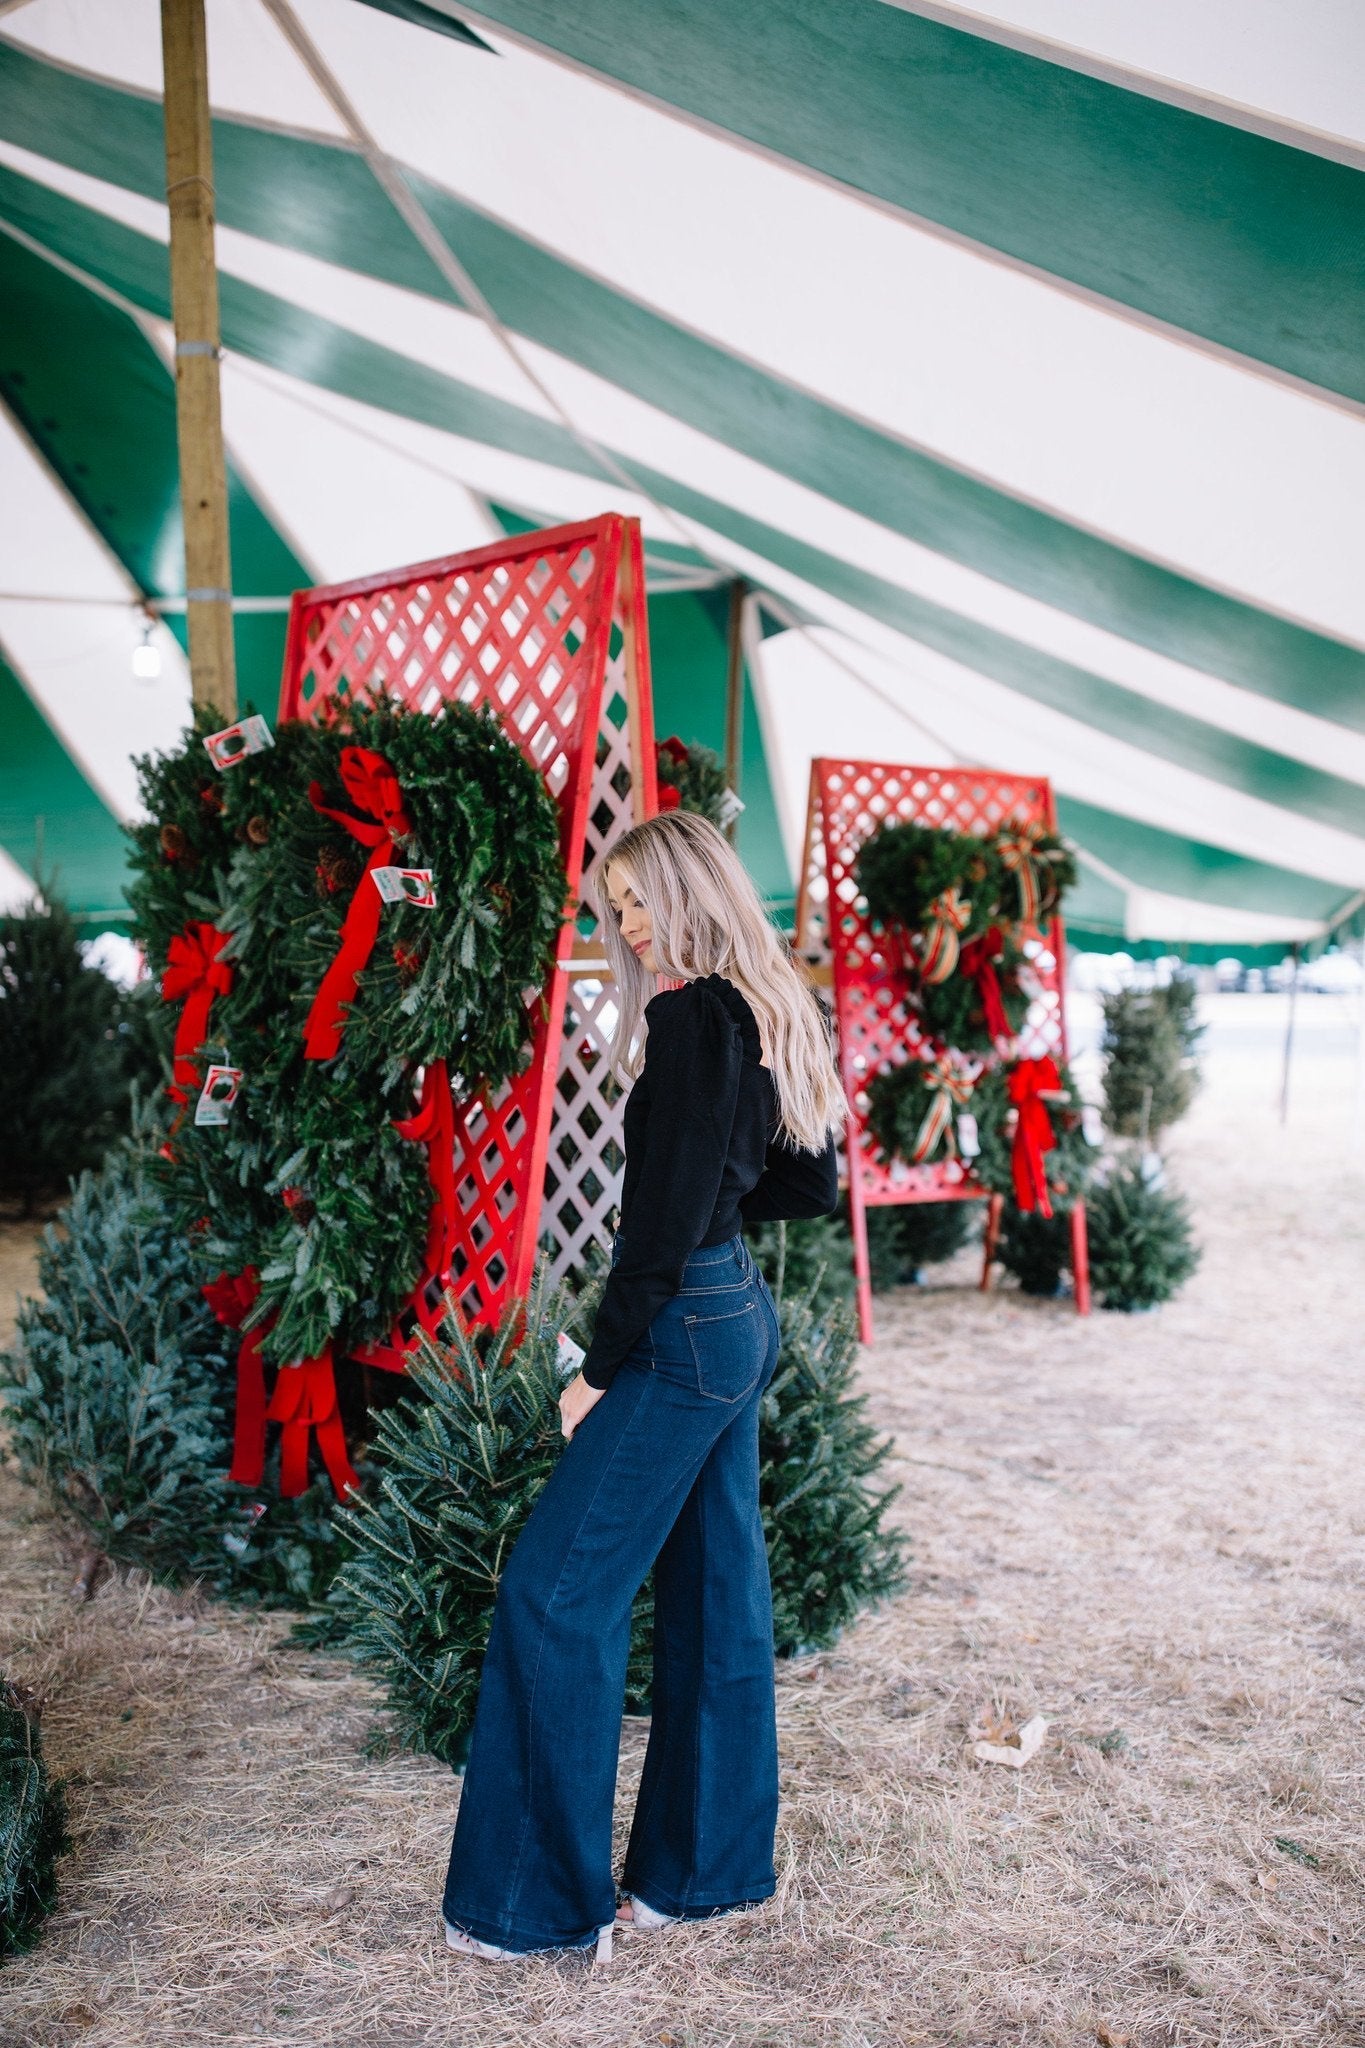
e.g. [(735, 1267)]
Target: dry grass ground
[(1150, 1529)]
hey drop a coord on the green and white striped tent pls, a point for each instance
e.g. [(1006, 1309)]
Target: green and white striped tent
[(1015, 361)]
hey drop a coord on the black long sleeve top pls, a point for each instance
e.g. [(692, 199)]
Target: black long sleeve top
[(702, 1156)]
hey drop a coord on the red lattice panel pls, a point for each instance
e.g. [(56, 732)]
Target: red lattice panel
[(549, 631), (877, 1028)]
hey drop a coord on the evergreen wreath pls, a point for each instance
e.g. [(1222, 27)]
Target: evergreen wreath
[(691, 777), (912, 1109), (309, 1182), (904, 868)]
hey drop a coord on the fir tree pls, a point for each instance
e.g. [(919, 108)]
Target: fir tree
[(32, 1827), (830, 1553), (463, 1458), (1142, 1248), (812, 1257), (1036, 1249), (1150, 1047), (63, 1082), (118, 1401)]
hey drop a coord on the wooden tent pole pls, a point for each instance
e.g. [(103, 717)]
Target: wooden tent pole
[(194, 304), (734, 694)]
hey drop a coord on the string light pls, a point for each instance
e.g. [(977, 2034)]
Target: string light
[(147, 656)]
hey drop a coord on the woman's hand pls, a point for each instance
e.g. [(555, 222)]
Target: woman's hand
[(577, 1400)]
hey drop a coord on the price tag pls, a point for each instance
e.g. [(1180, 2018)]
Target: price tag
[(571, 1355), (968, 1139), (406, 885), (233, 744), (222, 1085)]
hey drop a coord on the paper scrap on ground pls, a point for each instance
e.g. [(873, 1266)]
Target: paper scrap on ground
[(1015, 1756)]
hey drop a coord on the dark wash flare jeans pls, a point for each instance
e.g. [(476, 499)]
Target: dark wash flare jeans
[(662, 1472)]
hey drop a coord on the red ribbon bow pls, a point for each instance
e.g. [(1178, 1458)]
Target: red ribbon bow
[(305, 1398), (231, 1297), (977, 961), (194, 971), (1029, 1080), (373, 788)]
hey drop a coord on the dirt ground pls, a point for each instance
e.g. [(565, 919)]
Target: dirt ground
[(1149, 1529)]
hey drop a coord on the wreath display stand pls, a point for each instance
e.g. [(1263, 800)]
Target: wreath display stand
[(548, 631), (877, 1026)]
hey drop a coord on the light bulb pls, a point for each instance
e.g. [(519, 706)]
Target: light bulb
[(147, 657)]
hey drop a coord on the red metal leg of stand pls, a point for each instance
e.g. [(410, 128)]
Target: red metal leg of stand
[(995, 1209), (862, 1267), (1080, 1258)]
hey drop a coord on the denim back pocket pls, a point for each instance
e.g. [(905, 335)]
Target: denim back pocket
[(729, 1349)]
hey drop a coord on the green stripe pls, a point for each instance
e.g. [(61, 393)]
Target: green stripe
[(319, 198), (1255, 245), (53, 823)]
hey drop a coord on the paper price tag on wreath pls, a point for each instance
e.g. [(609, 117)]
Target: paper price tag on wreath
[(406, 885), (222, 1085), (233, 744)]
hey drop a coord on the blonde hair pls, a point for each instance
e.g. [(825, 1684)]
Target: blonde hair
[(707, 918)]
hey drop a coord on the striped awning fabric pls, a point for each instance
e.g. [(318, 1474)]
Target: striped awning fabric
[(1015, 362)]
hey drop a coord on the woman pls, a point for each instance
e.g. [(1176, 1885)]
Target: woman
[(730, 1120)]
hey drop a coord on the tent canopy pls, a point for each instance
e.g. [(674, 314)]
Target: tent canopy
[(1015, 362)]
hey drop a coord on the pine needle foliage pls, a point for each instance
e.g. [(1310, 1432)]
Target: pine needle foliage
[(117, 1400), (830, 1551), (463, 1458), (32, 1828), (1142, 1248), (1151, 1057), (63, 1068), (462, 1461)]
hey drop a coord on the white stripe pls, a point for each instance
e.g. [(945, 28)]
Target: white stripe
[(1184, 920), (76, 660), (16, 890), (251, 68)]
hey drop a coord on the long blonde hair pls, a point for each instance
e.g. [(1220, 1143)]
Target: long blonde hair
[(707, 918)]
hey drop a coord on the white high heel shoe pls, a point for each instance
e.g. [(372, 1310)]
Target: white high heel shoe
[(489, 1952), (644, 1917)]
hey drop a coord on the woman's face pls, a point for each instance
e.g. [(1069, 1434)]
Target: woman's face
[(633, 918)]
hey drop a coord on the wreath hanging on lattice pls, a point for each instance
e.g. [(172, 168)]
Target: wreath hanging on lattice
[(358, 911), (959, 914)]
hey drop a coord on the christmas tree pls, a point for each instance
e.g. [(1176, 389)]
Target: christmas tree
[(63, 1078), (118, 1400), (32, 1826), (1036, 1249), (1150, 1046), (830, 1552), (464, 1457), (1142, 1248)]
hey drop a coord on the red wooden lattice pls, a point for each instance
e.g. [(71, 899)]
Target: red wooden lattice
[(549, 631), (877, 1027)]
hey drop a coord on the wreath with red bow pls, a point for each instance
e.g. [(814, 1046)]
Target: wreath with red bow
[(283, 959)]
